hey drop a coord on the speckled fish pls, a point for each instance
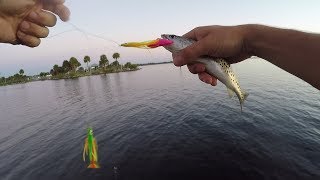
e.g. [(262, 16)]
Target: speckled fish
[(148, 44), (91, 149), (218, 67)]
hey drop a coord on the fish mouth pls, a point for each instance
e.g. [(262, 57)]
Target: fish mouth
[(164, 36)]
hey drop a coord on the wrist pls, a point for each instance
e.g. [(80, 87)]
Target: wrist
[(249, 33)]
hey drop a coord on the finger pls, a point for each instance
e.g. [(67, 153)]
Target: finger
[(34, 29), (191, 53), (43, 18), (59, 9), (214, 81), (204, 77), (197, 33), (174, 55), (196, 68), (28, 40), (207, 79), (191, 34)]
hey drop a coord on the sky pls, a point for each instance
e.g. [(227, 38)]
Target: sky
[(140, 20)]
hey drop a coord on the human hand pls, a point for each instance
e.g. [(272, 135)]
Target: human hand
[(228, 42), (26, 21)]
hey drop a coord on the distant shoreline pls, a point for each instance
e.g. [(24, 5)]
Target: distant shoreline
[(27, 79)]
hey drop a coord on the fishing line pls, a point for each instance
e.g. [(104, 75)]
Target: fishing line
[(94, 35), (86, 35), (101, 37), (49, 37)]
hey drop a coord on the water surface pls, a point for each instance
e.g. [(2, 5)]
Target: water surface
[(162, 123)]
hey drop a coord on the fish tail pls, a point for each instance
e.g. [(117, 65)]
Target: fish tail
[(245, 95), (93, 165)]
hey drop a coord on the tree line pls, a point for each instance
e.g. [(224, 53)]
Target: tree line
[(15, 79), (72, 68)]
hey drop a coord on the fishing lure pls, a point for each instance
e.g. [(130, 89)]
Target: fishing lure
[(91, 149), (148, 44)]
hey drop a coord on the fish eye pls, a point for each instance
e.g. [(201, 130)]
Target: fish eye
[(172, 36)]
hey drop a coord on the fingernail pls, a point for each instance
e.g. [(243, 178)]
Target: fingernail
[(33, 15), (25, 25), (177, 61)]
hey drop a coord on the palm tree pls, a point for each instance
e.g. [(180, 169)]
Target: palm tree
[(21, 72), (116, 56), (87, 60), (103, 61)]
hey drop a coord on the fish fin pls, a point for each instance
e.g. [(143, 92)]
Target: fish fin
[(245, 95), (93, 165), (231, 93)]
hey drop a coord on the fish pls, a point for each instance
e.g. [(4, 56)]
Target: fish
[(148, 44), (217, 67), (91, 149)]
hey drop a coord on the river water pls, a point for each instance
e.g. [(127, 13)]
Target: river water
[(162, 123)]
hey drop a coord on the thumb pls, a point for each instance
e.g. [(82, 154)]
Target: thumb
[(191, 53)]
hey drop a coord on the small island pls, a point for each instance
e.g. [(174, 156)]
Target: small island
[(72, 69)]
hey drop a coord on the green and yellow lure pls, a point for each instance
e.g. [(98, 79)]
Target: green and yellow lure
[(91, 149)]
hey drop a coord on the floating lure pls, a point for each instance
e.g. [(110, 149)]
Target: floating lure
[(91, 149), (148, 44)]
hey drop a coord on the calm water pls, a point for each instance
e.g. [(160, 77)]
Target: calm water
[(162, 123)]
